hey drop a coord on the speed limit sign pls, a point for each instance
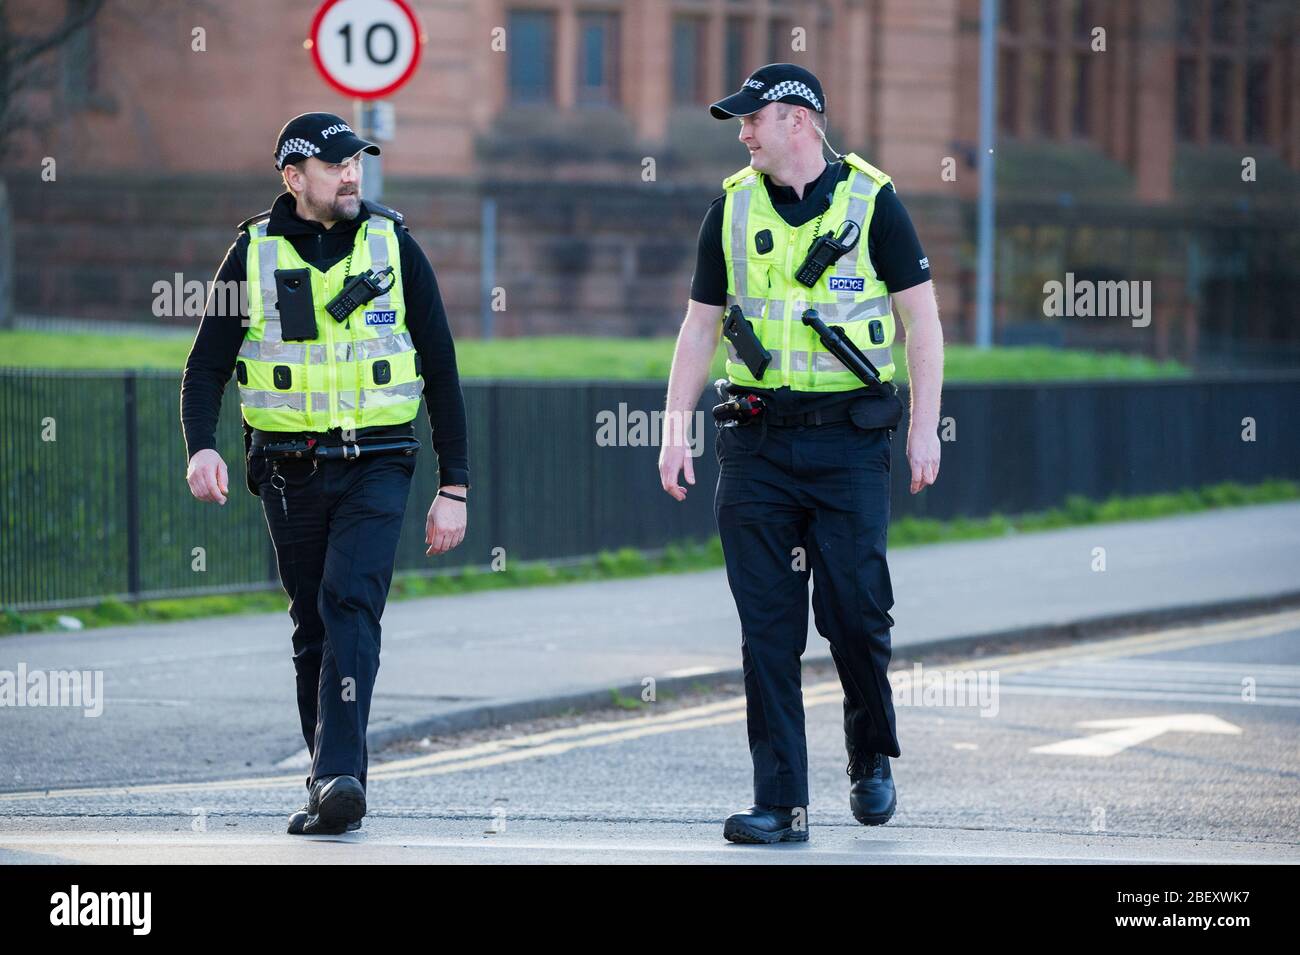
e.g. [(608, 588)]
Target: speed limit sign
[(366, 48)]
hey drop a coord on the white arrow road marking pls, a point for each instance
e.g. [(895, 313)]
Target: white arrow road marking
[(1134, 730)]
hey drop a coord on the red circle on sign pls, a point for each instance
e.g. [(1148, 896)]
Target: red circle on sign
[(363, 94)]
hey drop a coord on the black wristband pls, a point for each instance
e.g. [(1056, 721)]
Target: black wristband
[(454, 497)]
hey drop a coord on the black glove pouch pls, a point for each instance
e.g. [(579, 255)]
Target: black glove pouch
[(882, 409)]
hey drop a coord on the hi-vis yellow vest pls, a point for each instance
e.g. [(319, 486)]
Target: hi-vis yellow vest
[(354, 374), (848, 294)]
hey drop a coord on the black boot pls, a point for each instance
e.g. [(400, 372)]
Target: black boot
[(872, 797), (336, 805), (766, 824)]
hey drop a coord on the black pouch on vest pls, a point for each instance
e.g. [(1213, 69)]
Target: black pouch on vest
[(297, 314), (878, 410)]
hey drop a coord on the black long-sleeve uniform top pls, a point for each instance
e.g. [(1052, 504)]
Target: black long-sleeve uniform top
[(211, 362)]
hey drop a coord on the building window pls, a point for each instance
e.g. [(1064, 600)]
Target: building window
[(1221, 89), (1008, 92), (688, 60), (1082, 121), (1226, 58), (80, 62), (1257, 102), (598, 59), (1188, 15), (1223, 21), (1186, 94), (530, 39), (779, 38), (1045, 74), (737, 63), (1047, 104)]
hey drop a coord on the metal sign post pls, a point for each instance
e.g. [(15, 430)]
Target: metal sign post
[(367, 49)]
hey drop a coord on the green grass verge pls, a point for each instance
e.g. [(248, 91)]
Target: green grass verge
[(582, 357), (676, 558)]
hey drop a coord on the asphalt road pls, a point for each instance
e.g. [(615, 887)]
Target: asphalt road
[(198, 699), (1176, 746)]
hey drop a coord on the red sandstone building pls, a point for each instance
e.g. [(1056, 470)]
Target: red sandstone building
[(1122, 162)]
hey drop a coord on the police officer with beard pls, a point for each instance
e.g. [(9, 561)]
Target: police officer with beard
[(803, 488), (343, 333)]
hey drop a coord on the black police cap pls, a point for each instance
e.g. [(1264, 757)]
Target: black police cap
[(774, 83), (323, 135)]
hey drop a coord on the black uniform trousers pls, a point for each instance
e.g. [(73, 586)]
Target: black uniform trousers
[(795, 501), (335, 549)]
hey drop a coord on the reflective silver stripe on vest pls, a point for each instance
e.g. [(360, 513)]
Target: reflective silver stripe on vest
[(266, 262), (827, 311), (379, 347), (821, 361), (320, 400), (296, 354), (753, 307), (383, 397), (854, 311), (288, 352), (861, 188), (275, 400), (373, 348), (740, 242), (377, 239), (825, 361), (734, 357)]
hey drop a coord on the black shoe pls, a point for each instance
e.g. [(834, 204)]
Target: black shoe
[(299, 819), (767, 824), (872, 797), (336, 805)]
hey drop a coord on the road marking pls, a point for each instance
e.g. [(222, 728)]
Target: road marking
[(1133, 730), (1161, 696), (731, 710)]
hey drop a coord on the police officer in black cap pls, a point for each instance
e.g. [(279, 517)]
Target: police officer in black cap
[(804, 447), (340, 333)]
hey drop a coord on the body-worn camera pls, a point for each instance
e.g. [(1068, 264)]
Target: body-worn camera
[(741, 334), (359, 290), (825, 251)]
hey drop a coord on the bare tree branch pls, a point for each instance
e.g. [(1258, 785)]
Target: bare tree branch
[(24, 53)]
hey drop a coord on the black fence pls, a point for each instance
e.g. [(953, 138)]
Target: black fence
[(94, 501)]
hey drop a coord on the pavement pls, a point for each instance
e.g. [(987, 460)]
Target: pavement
[(210, 699)]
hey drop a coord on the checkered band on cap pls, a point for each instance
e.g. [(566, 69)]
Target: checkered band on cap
[(292, 146), (793, 88)]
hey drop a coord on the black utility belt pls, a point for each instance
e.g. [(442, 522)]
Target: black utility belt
[(314, 448), (741, 407), (829, 415)]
